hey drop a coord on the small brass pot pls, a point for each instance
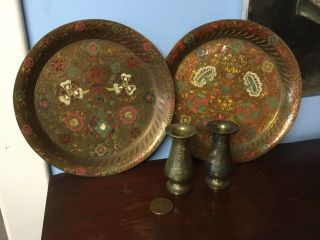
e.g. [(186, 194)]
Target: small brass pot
[(219, 163), (179, 168)]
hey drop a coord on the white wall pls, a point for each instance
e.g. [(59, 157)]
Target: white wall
[(23, 175)]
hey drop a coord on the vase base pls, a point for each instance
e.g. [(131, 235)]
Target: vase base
[(217, 184), (177, 188)]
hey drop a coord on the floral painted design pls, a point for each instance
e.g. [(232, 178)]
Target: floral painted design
[(128, 115), (88, 120), (98, 92), (116, 28), (180, 85), (202, 52), (95, 74), (129, 88), (229, 75), (115, 67), (185, 119), (237, 45), (215, 93), (247, 87), (225, 90), (197, 102), (189, 39), (44, 103), (203, 75), (147, 46), (103, 127), (26, 130), (19, 96), (100, 150), (273, 39), (28, 62), (135, 133), (247, 112), (132, 62), (267, 66), (80, 171), (74, 121), (70, 91), (149, 97), (73, 71), (65, 139), (79, 26), (253, 84), (57, 65), (93, 48)]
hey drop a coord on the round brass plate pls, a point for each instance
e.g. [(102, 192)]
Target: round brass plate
[(239, 71), (94, 97)]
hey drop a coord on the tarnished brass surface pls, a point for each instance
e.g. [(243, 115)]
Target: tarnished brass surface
[(219, 162), (240, 71), (179, 168), (94, 97), (161, 206)]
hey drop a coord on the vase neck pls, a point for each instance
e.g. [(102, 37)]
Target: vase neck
[(179, 141), (220, 138)]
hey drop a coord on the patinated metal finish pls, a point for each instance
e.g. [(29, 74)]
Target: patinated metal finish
[(219, 163), (161, 206), (239, 71), (179, 168), (93, 98)]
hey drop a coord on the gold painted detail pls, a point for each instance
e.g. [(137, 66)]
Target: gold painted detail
[(129, 88), (203, 75), (253, 84), (70, 92)]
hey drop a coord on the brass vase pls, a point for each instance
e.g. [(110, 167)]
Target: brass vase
[(219, 163), (179, 168)]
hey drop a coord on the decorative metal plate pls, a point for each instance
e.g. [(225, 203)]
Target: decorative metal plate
[(94, 97), (239, 71)]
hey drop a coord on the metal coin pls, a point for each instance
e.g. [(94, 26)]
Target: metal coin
[(161, 206)]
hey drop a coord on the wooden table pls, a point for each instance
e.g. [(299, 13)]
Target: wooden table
[(274, 197)]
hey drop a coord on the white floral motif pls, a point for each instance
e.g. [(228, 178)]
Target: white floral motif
[(203, 75), (253, 84), (70, 92), (129, 88)]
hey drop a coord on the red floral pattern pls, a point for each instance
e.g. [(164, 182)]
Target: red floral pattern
[(132, 62), (28, 62), (100, 149), (57, 65), (80, 171), (74, 121), (135, 133), (26, 130), (65, 138), (149, 97), (79, 26), (147, 46), (197, 102), (95, 74), (128, 115)]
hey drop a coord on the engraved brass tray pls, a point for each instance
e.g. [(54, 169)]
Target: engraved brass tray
[(94, 97), (239, 71)]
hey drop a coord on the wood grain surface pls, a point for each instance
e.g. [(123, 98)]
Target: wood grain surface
[(274, 197)]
